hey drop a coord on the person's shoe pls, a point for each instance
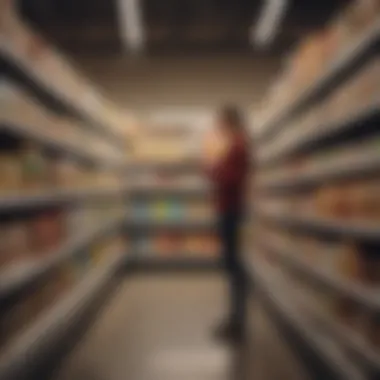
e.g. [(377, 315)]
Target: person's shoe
[(229, 332)]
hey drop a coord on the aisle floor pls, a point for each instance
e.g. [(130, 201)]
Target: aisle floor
[(156, 327), (160, 328)]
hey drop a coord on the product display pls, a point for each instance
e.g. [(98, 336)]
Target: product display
[(318, 54), (27, 169), (25, 312), (161, 196), (317, 189), (169, 244), (171, 210), (43, 62), (351, 262), (161, 181), (350, 201), (87, 190), (60, 281), (352, 101), (57, 236)]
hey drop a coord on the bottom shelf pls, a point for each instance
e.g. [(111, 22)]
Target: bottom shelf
[(319, 352), (33, 347), (183, 262)]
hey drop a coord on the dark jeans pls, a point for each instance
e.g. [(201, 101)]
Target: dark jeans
[(229, 227)]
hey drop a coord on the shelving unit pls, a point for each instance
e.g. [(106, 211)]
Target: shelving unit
[(360, 230), (307, 139), (171, 222), (18, 278), (172, 225), (362, 161), (56, 80), (56, 197), (343, 66), (37, 341), (321, 277), (162, 211), (62, 199), (316, 235), (42, 126), (321, 354)]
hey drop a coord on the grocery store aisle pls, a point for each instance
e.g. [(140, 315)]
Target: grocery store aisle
[(157, 327)]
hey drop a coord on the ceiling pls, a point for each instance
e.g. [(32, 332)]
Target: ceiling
[(175, 26)]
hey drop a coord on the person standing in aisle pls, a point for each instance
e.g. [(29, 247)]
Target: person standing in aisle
[(228, 171)]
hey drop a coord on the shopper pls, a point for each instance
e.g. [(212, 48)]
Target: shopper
[(229, 174)]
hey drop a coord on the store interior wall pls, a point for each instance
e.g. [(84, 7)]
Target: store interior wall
[(144, 83)]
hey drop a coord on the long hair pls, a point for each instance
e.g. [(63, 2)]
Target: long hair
[(233, 119)]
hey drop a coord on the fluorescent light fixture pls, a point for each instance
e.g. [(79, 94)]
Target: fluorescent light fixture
[(268, 24), (131, 25)]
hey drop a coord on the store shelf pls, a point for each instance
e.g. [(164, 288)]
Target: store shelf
[(360, 230), (364, 161), (45, 88), (34, 345), (155, 262), (309, 138), (358, 348), (19, 277), (172, 225), (320, 354), (290, 258), (170, 192), (350, 60), (179, 167), (25, 200), (63, 145)]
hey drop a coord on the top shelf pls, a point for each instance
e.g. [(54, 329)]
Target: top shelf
[(38, 66), (349, 61)]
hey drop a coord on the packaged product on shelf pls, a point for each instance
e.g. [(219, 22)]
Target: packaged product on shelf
[(198, 211), (176, 210), (201, 244), (334, 201), (332, 41), (14, 243), (360, 92), (365, 200), (358, 17), (11, 173), (211, 245), (309, 61), (365, 87), (352, 200), (63, 173), (169, 244), (189, 245), (160, 210), (35, 168), (47, 231)]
